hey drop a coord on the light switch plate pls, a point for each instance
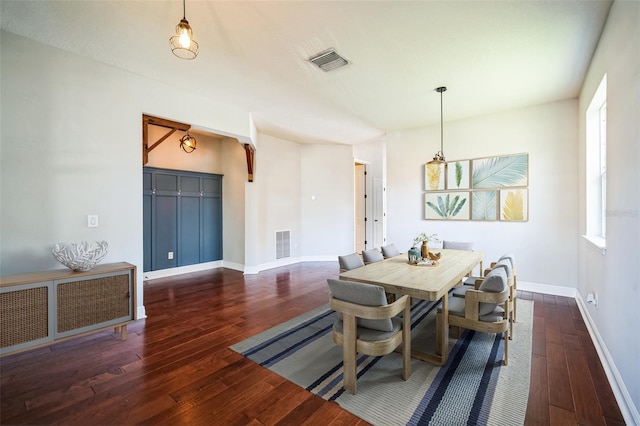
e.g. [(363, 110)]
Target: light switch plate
[(92, 221)]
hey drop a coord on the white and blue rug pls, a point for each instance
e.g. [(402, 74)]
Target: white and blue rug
[(473, 388)]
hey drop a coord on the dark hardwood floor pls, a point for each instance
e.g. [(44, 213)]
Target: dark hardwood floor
[(175, 367)]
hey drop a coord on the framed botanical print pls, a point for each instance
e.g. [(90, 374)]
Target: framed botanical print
[(434, 177), (447, 205), (514, 204), (484, 205), (500, 172), (458, 175)]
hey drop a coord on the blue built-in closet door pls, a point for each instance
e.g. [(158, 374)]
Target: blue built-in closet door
[(183, 218), (212, 215)]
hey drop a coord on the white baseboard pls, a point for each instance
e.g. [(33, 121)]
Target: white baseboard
[(627, 407), (288, 261), (555, 290), (163, 273)]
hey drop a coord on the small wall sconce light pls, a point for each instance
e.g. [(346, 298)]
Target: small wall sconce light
[(188, 143)]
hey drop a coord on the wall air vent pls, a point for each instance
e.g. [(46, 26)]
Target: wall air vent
[(328, 60), (283, 244)]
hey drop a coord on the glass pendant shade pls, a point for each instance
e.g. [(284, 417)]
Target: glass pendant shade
[(182, 44), (438, 158), (188, 143)]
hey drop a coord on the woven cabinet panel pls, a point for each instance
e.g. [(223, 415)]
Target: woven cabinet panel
[(92, 301), (23, 316)]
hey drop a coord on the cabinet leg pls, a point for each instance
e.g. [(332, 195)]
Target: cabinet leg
[(123, 334)]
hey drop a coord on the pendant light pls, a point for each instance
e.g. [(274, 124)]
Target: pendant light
[(439, 157), (182, 44), (188, 143)]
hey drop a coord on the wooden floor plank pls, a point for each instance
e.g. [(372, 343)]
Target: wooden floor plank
[(176, 366)]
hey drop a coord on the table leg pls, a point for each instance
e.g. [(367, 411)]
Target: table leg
[(444, 330)]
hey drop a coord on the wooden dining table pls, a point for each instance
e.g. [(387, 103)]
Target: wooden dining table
[(433, 283)]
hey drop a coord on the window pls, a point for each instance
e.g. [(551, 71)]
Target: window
[(596, 167)]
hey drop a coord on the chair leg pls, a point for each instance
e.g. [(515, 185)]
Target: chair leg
[(515, 297), (349, 353), (406, 343), (506, 347)]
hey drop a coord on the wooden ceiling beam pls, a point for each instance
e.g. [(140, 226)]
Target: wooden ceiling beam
[(173, 127), (250, 152)]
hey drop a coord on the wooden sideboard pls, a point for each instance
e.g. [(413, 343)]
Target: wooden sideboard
[(40, 308)]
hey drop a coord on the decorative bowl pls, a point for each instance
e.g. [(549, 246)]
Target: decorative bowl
[(80, 256)]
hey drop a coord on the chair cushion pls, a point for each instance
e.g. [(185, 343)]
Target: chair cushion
[(495, 282), (506, 264), (369, 334), (350, 261), (361, 294), (390, 251), (372, 255), (510, 257), (457, 245), (460, 291), (456, 307)]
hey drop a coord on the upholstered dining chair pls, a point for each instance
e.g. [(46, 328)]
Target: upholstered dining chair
[(350, 261), (389, 251), (457, 245), (460, 245), (367, 324), (475, 282), (485, 309), (372, 255), (512, 259)]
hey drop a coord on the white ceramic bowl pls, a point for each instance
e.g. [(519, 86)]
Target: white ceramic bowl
[(80, 256)]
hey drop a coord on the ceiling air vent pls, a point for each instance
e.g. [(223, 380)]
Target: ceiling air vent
[(328, 60)]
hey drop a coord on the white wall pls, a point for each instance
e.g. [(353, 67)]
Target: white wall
[(277, 186), (615, 276), (546, 245), (307, 189), (71, 145), (326, 200)]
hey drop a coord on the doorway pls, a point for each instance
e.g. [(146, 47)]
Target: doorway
[(360, 203)]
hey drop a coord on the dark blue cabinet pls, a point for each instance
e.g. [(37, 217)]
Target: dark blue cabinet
[(182, 218)]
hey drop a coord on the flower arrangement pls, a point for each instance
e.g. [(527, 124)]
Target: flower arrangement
[(422, 237)]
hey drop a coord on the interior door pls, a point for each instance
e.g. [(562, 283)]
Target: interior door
[(378, 213), (360, 216)]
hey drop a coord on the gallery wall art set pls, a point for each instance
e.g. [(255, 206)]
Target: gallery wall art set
[(484, 189)]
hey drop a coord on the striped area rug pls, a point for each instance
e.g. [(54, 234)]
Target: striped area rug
[(472, 388)]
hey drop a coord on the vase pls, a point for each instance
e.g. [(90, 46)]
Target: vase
[(425, 250), (414, 255)]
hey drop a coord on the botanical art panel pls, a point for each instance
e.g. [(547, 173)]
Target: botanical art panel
[(458, 174), (514, 204), (500, 172), (434, 177), (484, 205), (447, 205)]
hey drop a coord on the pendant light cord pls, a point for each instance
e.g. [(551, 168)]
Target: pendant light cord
[(441, 127), (184, 9)]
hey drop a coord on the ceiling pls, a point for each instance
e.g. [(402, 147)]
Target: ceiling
[(492, 55)]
